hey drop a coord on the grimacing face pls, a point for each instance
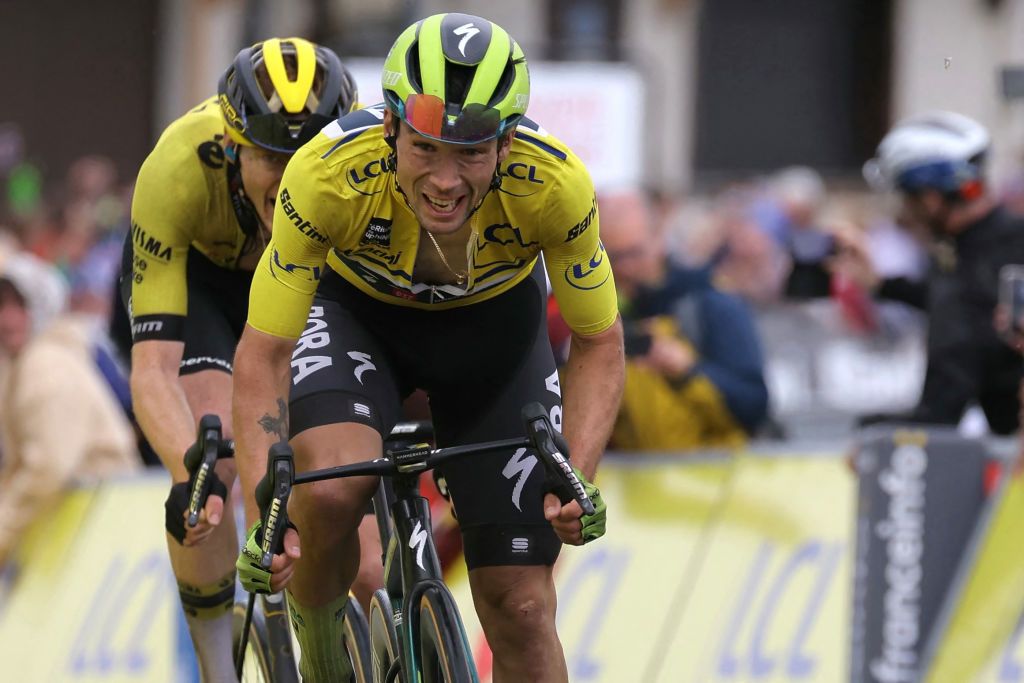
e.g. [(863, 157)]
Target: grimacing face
[(261, 178), (443, 181)]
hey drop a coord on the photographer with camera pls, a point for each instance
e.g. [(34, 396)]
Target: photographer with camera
[(935, 163), (694, 370)]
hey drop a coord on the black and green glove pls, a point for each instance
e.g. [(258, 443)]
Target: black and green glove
[(593, 525)]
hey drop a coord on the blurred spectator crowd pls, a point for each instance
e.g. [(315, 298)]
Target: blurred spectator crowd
[(64, 405)]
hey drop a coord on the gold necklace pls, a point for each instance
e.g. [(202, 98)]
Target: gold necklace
[(460, 277)]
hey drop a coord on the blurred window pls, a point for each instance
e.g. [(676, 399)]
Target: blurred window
[(791, 82), (585, 30)]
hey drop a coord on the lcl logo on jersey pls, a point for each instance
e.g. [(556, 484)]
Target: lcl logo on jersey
[(373, 169), (592, 274), (370, 170), (309, 273), (521, 171)]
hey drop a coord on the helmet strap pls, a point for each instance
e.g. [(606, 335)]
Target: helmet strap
[(248, 218), (392, 141), (496, 179)]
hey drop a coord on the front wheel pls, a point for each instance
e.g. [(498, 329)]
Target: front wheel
[(383, 637), (268, 654), (357, 641), (444, 652)]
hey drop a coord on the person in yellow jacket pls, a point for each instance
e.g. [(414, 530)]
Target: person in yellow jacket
[(694, 369)]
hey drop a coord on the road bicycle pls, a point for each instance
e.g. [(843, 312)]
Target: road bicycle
[(415, 631)]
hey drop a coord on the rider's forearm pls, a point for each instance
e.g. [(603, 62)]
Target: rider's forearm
[(262, 379), (593, 378), (160, 405)]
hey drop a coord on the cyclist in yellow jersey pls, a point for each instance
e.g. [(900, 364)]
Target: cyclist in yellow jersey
[(201, 218), (415, 229)]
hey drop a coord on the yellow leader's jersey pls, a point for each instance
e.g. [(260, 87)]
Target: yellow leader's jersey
[(339, 205), (184, 196)]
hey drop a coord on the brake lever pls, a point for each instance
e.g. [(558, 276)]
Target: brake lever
[(199, 469), (542, 435), (272, 495)]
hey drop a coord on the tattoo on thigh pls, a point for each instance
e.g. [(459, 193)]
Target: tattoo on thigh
[(276, 425)]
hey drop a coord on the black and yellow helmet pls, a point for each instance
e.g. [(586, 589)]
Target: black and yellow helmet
[(457, 78), (279, 93)]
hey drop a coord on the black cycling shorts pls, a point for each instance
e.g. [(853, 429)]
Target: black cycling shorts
[(218, 306), (358, 357)]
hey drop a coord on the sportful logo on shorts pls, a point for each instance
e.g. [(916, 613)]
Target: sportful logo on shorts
[(520, 545), (361, 409), (522, 466)]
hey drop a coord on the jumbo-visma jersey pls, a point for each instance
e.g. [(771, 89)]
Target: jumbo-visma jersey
[(181, 200), (339, 207)]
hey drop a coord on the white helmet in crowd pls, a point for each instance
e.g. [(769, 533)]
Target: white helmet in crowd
[(38, 282), (940, 150)]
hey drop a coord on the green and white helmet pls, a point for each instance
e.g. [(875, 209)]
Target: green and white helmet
[(457, 78)]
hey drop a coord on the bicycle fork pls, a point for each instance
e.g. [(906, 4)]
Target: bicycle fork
[(419, 564)]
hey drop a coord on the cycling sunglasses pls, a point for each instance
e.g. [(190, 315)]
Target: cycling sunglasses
[(429, 116)]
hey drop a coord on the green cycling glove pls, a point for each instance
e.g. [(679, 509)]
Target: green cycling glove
[(593, 525), (253, 576)]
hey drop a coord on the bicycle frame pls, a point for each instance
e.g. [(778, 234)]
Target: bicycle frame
[(410, 557), (404, 523)]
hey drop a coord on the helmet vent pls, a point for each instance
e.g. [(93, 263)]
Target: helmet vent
[(457, 79)]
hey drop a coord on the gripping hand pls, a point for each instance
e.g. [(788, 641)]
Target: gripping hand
[(593, 525), (176, 505), (251, 573), (254, 577)]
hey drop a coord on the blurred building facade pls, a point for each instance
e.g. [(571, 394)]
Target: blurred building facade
[(732, 87)]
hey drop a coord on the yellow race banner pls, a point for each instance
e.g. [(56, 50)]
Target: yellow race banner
[(713, 570), (94, 599), (724, 571)]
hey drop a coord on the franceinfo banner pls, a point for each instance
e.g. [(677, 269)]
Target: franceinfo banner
[(920, 493)]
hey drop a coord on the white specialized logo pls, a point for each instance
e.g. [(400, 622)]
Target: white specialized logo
[(467, 31), (521, 466), (418, 542), (364, 363)]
